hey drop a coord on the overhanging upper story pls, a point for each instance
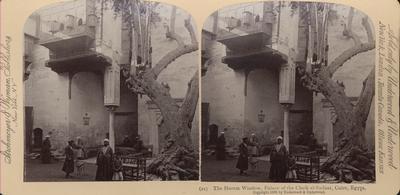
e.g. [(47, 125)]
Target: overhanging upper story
[(70, 30), (258, 35)]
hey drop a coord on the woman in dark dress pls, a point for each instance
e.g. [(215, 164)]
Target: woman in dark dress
[(68, 166), (278, 159), (45, 153), (243, 160), (104, 163)]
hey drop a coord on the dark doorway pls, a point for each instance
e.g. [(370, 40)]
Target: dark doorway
[(213, 134), (37, 138), (205, 117), (301, 121), (28, 128), (126, 124)]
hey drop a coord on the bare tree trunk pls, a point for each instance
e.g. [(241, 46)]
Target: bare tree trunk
[(351, 160), (178, 160)]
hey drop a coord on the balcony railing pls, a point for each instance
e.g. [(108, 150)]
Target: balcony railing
[(68, 30), (246, 31), (245, 27), (68, 25)]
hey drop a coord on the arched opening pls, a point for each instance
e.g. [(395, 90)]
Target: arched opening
[(37, 137), (80, 22)]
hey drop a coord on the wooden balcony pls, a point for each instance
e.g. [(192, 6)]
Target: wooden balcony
[(249, 47), (70, 34), (245, 37), (73, 50), (79, 37)]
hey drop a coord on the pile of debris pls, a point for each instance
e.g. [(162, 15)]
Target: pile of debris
[(33, 156)]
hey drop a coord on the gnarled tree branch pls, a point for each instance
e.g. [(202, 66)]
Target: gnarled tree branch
[(182, 49), (353, 51), (189, 27), (348, 31)]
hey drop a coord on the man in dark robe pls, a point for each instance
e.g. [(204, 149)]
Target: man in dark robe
[(68, 166), (243, 160), (301, 139), (278, 159), (126, 142), (138, 146), (45, 153), (104, 162), (312, 143), (220, 147)]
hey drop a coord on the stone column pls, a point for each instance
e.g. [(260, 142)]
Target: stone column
[(287, 96), (112, 97), (286, 115), (111, 131)]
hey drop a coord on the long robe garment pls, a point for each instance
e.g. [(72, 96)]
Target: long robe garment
[(104, 164), (220, 148), (278, 158), (243, 160), (45, 153), (68, 166)]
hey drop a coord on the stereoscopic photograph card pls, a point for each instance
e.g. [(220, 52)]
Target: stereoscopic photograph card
[(199, 97)]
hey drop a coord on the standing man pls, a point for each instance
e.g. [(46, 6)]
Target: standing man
[(220, 147), (45, 153), (104, 162), (301, 139), (243, 160), (138, 144), (68, 166), (278, 158), (312, 143)]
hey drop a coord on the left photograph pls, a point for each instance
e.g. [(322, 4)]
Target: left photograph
[(111, 91)]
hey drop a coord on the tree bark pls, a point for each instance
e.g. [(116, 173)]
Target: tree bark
[(350, 160), (178, 161)]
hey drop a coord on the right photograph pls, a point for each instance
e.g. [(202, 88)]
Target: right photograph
[(287, 93)]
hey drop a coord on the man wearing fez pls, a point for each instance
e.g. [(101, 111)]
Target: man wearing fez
[(138, 145), (243, 160), (45, 153), (68, 166), (220, 147), (126, 142), (104, 162), (278, 158)]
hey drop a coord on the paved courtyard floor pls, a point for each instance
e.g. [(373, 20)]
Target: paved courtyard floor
[(36, 171), (225, 170)]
